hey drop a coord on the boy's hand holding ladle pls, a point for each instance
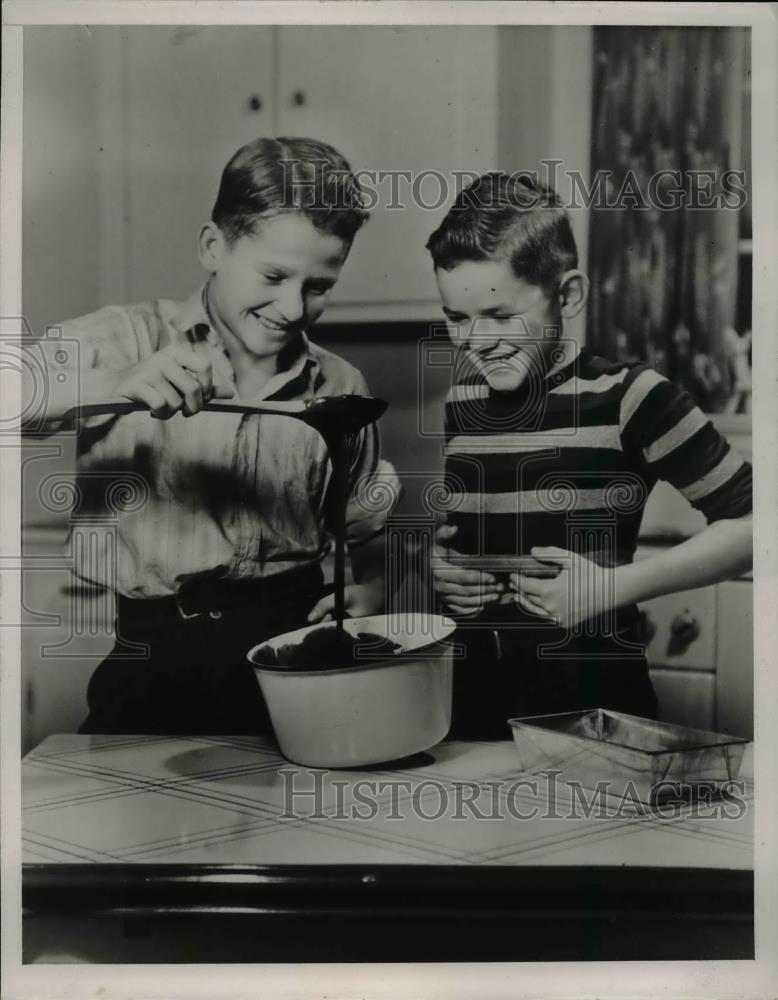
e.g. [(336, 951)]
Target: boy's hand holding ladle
[(177, 377)]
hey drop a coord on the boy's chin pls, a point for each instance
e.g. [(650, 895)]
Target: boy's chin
[(504, 380)]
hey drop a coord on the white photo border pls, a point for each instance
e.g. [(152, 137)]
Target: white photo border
[(757, 978)]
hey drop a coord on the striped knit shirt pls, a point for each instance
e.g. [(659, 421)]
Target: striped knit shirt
[(571, 461), (161, 502)]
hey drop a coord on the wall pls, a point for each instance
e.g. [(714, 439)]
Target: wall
[(61, 233), (73, 126), (76, 123), (544, 112), (60, 248), (411, 428), (544, 75)]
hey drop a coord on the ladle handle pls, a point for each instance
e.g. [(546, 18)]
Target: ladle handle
[(123, 406)]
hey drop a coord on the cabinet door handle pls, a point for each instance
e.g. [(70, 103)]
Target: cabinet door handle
[(684, 630), (255, 102), (646, 629), (299, 98)]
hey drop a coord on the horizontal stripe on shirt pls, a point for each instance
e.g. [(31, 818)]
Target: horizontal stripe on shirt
[(727, 467), (693, 459), (464, 393), (731, 499), (603, 383), (503, 472), (637, 392), (564, 414), (524, 441), (550, 501), (595, 444), (676, 436)]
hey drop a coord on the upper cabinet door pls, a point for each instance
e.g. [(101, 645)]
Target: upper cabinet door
[(194, 95), (418, 101)]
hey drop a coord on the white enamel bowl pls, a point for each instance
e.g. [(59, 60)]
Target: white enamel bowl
[(380, 711)]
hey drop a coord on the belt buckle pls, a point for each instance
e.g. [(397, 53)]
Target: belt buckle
[(186, 615)]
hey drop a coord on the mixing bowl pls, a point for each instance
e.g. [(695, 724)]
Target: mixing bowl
[(377, 711)]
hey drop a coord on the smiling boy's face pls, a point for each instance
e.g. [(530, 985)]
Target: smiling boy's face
[(268, 286), (507, 325)]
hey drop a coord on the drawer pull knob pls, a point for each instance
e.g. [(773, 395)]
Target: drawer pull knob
[(684, 630), (646, 629)]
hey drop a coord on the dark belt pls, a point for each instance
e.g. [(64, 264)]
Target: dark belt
[(214, 598)]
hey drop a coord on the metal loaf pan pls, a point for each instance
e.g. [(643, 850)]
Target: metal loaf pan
[(633, 756)]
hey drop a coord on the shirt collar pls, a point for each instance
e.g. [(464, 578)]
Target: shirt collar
[(192, 312), (300, 364)]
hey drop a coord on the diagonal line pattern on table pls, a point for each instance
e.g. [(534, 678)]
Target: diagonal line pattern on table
[(205, 811)]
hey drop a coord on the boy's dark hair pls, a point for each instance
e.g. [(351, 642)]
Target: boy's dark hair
[(512, 217), (267, 177)]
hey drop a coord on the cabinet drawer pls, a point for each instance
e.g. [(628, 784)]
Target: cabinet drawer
[(685, 697), (695, 609), (66, 630), (735, 669)]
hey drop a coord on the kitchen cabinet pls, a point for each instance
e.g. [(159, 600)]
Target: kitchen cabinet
[(735, 667), (703, 677), (417, 100), (686, 697), (66, 631), (701, 655), (148, 116), (191, 96), (406, 99), (684, 624)]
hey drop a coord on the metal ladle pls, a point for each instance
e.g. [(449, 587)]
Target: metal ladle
[(338, 419), (346, 414)]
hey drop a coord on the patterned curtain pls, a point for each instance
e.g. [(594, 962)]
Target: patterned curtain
[(664, 275)]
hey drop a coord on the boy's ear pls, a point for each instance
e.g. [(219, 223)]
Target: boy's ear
[(211, 247), (573, 293)]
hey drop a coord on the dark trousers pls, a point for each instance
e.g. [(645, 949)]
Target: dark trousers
[(195, 677), (506, 672)]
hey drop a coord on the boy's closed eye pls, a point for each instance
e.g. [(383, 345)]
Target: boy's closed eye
[(459, 320), (311, 288), (319, 287)]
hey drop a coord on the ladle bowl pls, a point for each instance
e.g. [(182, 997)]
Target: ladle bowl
[(380, 710)]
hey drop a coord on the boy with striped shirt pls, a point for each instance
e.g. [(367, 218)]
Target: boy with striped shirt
[(551, 453)]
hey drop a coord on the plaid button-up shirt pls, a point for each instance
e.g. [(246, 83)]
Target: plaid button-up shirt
[(235, 496)]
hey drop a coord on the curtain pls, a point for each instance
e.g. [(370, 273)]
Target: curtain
[(666, 111)]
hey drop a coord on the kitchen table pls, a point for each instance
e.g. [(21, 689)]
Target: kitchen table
[(208, 848)]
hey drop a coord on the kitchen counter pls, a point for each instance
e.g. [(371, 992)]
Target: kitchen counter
[(447, 852)]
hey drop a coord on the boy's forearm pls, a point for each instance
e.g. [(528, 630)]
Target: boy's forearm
[(91, 386), (721, 551)]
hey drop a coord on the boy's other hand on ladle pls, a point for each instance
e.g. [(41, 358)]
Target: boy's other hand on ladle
[(361, 600)]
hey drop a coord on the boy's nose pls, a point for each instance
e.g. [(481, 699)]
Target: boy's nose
[(483, 337), (291, 304)]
